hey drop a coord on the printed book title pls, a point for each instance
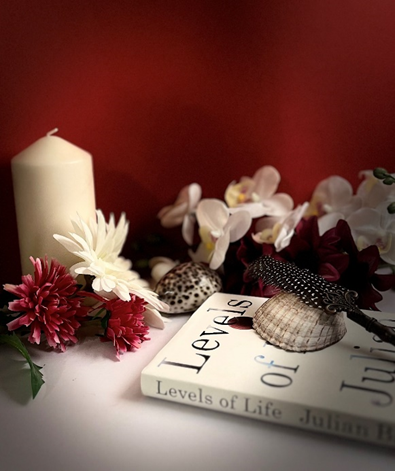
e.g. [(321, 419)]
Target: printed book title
[(377, 379)]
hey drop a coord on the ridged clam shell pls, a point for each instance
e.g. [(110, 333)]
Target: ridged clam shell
[(185, 287), (287, 322)]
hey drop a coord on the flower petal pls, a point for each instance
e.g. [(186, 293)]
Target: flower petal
[(153, 318), (212, 213), (328, 221), (364, 218), (172, 216), (288, 226), (67, 243), (194, 194), (238, 224), (219, 253), (279, 204), (188, 226), (266, 181), (202, 254), (256, 210)]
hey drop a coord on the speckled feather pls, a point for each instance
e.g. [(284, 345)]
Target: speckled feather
[(312, 289)]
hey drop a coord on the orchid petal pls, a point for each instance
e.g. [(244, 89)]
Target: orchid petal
[(238, 224), (202, 253), (172, 216), (266, 223), (266, 181), (188, 226), (336, 189), (328, 221), (334, 195), (371, 227), (256, 210), (194, 193), (372, 190), (288, 226), (187, 199), (238, 193), (278, 205), (218, 256), (212, 213), (365, 217)]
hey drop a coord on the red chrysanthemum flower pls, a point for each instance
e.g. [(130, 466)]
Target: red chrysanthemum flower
[(125, 325), (48, 303)]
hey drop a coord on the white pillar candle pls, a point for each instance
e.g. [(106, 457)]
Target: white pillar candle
[(53, 182)]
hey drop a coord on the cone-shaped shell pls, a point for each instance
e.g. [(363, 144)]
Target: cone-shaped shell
[(287, 322)]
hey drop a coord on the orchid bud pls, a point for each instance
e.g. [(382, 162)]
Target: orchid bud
[(388, 180), (391, 208), (380, 173)]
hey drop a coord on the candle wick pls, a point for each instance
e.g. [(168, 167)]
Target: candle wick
[(50, 133)]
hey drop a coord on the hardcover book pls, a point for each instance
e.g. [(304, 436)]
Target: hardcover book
[(217, 361)]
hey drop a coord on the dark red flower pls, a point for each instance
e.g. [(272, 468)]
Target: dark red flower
[(320, 254), (247, 252), (125, 324), (48, 303)]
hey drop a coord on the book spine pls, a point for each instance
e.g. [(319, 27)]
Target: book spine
[(270, 410)]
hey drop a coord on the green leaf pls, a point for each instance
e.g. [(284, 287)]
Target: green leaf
[(35, 375)]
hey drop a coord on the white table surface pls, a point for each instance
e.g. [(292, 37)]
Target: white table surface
[(91, 415)]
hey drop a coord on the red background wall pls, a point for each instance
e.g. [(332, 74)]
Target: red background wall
[(166, 93)]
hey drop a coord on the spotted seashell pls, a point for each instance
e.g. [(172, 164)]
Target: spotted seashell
[(185, 287), (287, 322)]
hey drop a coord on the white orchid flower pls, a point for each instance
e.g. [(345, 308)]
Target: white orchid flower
[(375, 226), (217, 229), (334, 195), (182, 211), (332, 200), (258, 196), (279, 230), (99, 244), (373, 191)]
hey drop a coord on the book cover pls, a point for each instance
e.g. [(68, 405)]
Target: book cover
[(217, 361)]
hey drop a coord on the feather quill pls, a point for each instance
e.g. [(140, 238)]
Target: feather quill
[(316, 292)]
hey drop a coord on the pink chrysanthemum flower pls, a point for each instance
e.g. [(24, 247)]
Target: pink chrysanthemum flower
[(48, 303), (126, 327)]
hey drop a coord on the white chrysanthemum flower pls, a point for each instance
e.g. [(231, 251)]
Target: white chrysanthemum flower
[(99, 244)]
